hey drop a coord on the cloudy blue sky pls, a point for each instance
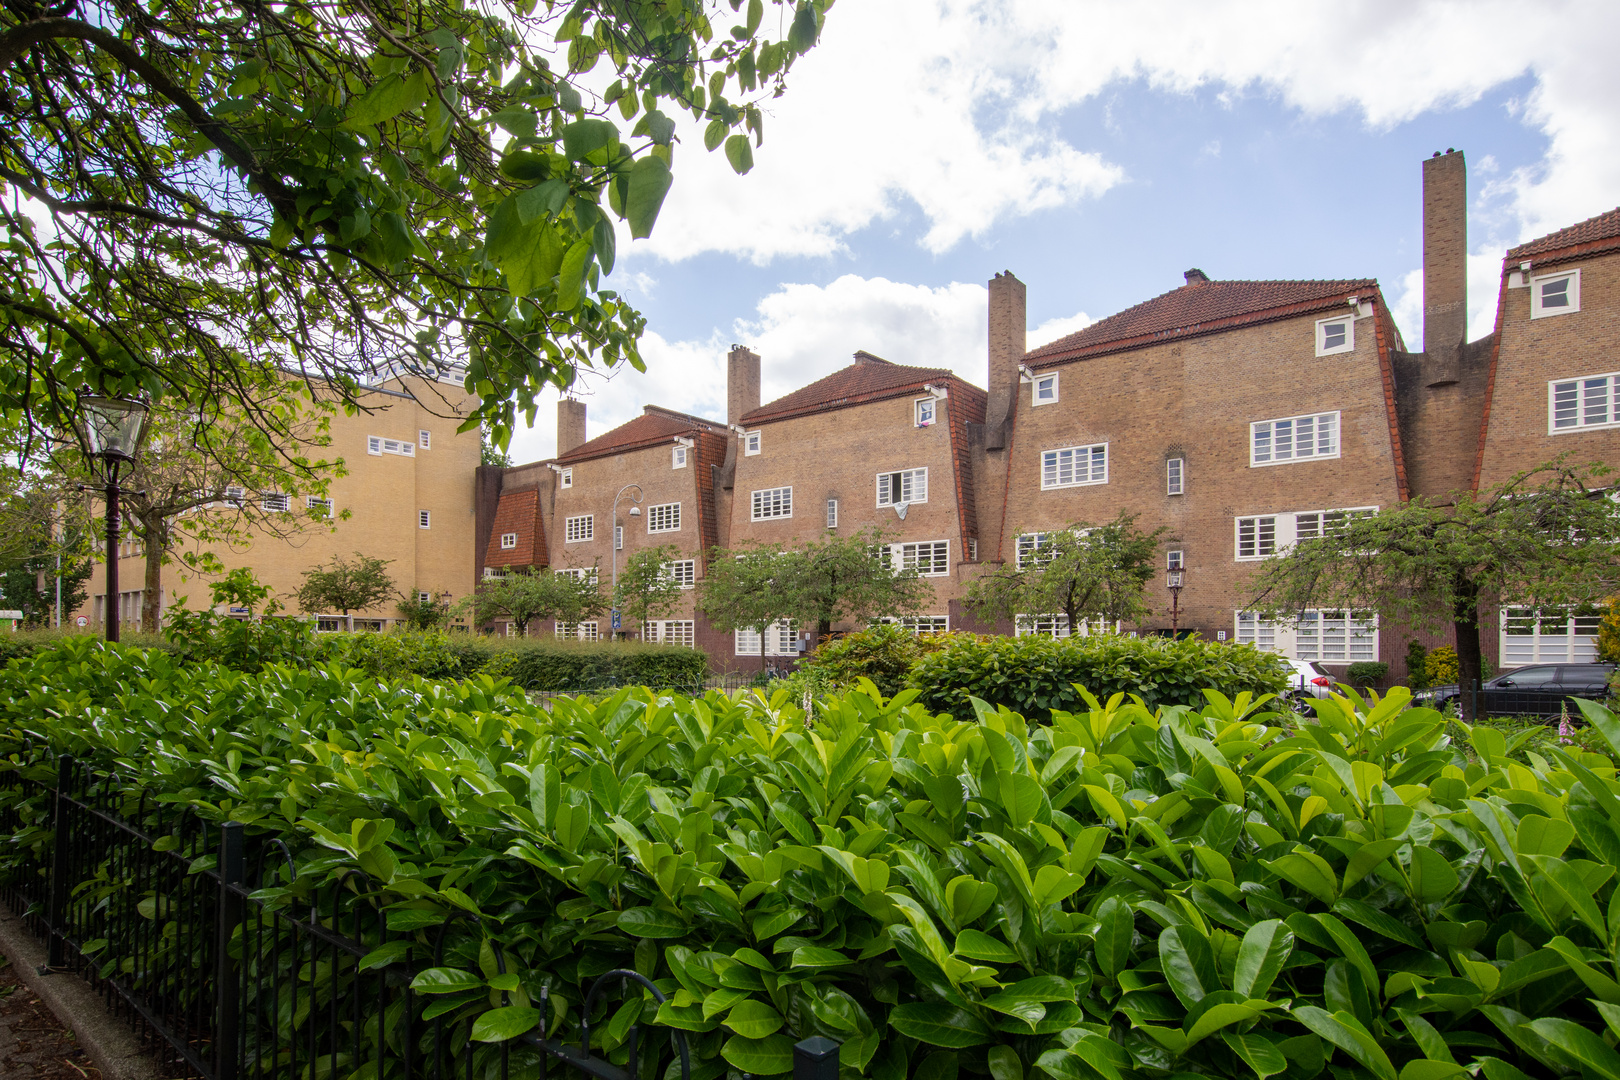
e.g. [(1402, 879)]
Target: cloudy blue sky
[(1097, 150)]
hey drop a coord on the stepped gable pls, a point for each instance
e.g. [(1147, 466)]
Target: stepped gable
[(1199, 307), (869, 378), (654, 426), (1594, 234)]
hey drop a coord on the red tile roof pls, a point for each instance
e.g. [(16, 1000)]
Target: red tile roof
[(1594, 229), (518, 512), (655, 425), (1197, 308), (869, 378)]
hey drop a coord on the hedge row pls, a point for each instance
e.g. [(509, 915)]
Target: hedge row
[(1122, 894)]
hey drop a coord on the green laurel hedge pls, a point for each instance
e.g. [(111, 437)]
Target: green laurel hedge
[(1119, 894)]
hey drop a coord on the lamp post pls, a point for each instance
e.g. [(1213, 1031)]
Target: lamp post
[(1174, 582), (112, 429), (613, 546)]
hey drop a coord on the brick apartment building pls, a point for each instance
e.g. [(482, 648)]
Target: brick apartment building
[(1239, 415)]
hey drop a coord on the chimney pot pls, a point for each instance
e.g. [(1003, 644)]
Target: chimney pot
[(1196, 276)]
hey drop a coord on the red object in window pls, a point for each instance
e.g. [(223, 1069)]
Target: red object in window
[(1321, 680)]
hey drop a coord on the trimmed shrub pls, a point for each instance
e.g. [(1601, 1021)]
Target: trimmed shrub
[(565, 665), (1441, 666), (1036, 675), (1417, 665), (884, 653), (1365, 672)]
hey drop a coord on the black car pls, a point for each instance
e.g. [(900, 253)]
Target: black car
[(1541, 690)]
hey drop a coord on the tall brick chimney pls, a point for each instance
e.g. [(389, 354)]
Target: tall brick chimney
[(1007, 348), (570, 425), (742, 383), (1445, 264)]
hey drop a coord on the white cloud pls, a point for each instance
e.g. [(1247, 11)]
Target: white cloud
[(948, 110)]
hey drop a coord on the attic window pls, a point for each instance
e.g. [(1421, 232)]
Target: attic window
[(751, 443), (925, 411), (567, 478), (1044, 390), (677, 458), (508, 541), (1555, 294), (1335, 335)]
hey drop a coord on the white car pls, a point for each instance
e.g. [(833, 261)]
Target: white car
[(1307, 678)]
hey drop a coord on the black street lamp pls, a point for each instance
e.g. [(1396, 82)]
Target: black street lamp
[(1174, 582), (112, 429)]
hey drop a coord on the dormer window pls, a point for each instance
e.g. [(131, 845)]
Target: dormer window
[(925, 411), (1335, 335), (567, 478), (1044, 389), (751, 443), (1555, 294), (508, 541), (677, 458)]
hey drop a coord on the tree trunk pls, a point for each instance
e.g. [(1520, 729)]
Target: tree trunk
[(1465, 623), (155, 536)]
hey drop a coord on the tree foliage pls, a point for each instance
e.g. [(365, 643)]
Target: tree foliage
[(344, 585), (1544, 538), (526, 596), (199, 195), (646, 589), (1084, 571)]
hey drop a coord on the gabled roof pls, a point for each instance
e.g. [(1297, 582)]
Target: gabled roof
[(655, 425), (1197, 308), (1589, 232), (869, 378)]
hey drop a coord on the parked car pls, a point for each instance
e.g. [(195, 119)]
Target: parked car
[(1307, 679), (1540, 690)]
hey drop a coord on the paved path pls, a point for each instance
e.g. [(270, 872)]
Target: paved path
[(34, 1044)]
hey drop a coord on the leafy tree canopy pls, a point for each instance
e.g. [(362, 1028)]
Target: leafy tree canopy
[(1543, 538), (201, 194), (527, 596), (345, 585), (646, 589), (1083, 571)]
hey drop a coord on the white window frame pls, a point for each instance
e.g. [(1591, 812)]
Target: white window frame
[(1537, 311), (236, 495), (913, 482), (423, 597), (1175, 476), (377, 445), (973, 549), (1052, 468), (677, 458), (509, 541), (781, 639), (374, 445), (580, 573), (1543, 644), (751, 443), (274, 502), (921, 625), (1175, 560), (925, 411), (778, 502), (1035, 397), (576, 533), (1331, 636), (832, 513), (565, 478), (618, 538), (1581, 400), (1027, 549), (1289, 528), (673, 632), (667, 516), (585, 631), (424, 519), (494, 573), (1349, 345), (424, 438), (1329, 421), (683, 572), (315, 502), (935, 555)]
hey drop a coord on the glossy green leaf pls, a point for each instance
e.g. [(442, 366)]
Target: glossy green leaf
[(501, 1024), (762, 1057), (441, 980), (647, 922), (939, 1024), (1265, 948), (1257, 1052), (753, 1019)]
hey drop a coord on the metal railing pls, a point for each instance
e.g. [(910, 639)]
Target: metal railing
[(233, 970)]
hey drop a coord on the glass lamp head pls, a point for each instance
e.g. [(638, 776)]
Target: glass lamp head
[(113, 426), (635, 511), (1173, 579)]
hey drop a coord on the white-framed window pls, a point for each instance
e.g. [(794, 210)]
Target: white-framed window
[(579, 528), (923, 624), (1336, 335), (1175, 474), (683, 572), (902, 488), (375, 444), (1056, 626), (1264, 535), (1555, 294), (274, 502), (618, 538), (750, 443), (1029, 549), (1043, 389), (1294, 438), (424, 519), (424, 439), (236, 495), (1072, 466), (494, 573), (1590, 402), (832, 513), (580, 573), (1548, 636), (508, 541), (665, 517), (672, 632), (566, 478), (677, 458), (781, 639), (423, 598), (1175, 560), (924, 411), (585, 631), (1335, 636), (771, 503), (973, 549), (322, 507), (931, 558)]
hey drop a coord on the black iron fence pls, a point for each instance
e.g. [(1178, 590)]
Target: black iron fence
[(231, 973)]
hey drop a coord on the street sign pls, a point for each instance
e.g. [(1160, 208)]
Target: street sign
[(82, 621), (11, 614), (616, 625)]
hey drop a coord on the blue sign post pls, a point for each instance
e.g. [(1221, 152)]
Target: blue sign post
[(616, 619)]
